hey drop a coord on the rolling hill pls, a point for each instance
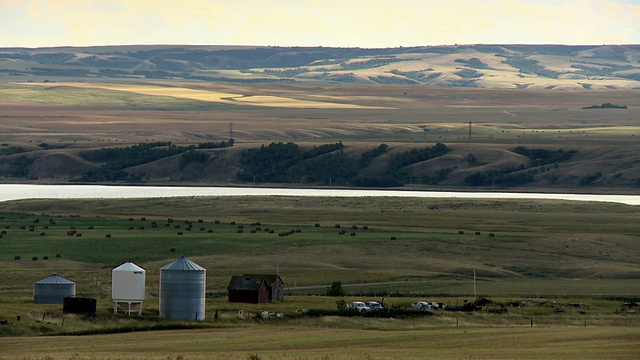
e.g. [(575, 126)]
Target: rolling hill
[(540, 117), (479, 66)]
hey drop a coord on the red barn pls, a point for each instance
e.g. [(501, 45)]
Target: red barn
[(248, 289), (275, 285)]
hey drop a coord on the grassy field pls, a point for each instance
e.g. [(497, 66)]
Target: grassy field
[(51, 123), (568, 267), (324, 342), (347, 112)]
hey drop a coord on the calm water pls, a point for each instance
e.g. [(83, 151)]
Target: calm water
[(20, 191)]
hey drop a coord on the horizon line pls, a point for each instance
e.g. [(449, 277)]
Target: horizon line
[(313, 46)]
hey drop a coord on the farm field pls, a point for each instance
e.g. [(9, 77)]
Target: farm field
[(582, 258), (326, 342), (47, 128)]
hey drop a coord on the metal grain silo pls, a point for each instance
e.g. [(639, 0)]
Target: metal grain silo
[(127, 288), (182, 290), (53, 289)]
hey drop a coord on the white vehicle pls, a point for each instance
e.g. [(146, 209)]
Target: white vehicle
[(359, 305), (374, 305), (421, 306)]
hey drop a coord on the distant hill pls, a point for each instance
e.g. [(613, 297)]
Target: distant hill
[(481, 66)]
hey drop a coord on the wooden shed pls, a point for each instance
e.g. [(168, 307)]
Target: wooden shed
[(275, 285), (247, 289)]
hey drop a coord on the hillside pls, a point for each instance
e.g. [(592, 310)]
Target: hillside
[(540, 117), (476, 66), (548, 168)]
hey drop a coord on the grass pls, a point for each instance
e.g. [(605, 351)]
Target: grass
[(77, 116), (303, 342), (535, 240), (528, 259), (66, 94)]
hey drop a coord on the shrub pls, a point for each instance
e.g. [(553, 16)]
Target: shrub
[(335, 289)]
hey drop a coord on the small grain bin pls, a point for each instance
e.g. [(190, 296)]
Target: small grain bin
[(53, 289), (182, 290), (127, 288)]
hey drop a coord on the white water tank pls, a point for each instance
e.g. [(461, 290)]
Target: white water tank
[(127, 283), (182, 290)]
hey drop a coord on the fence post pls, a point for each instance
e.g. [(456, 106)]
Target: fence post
[(531, 321)]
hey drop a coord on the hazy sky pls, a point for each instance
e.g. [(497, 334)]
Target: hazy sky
[(346, 23)]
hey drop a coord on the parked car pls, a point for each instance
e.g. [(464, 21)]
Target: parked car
[(374, 305), (421, 306), (359, 305)]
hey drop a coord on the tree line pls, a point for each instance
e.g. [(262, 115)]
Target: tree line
[(329, 164)]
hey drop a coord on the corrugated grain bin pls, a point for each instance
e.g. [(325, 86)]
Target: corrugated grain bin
[(53, 289), (127, 283), (182, 290)]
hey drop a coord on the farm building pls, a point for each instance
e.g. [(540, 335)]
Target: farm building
[(53, 289), (275, 285), (182, 290), (248, 289), (127, 288)]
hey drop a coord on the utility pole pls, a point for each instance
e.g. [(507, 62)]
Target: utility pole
[(475, 289), (469, 129)]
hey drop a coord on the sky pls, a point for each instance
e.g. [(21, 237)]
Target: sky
[(340, 23)]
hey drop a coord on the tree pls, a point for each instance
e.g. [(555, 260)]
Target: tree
[(335, 289)]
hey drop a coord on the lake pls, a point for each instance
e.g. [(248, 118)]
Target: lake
[(28, 191)]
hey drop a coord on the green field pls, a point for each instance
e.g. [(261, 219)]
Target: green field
[(583, 258)]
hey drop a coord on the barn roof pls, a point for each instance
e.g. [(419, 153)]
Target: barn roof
[(246, 283), (270, 278), (54, 279)]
